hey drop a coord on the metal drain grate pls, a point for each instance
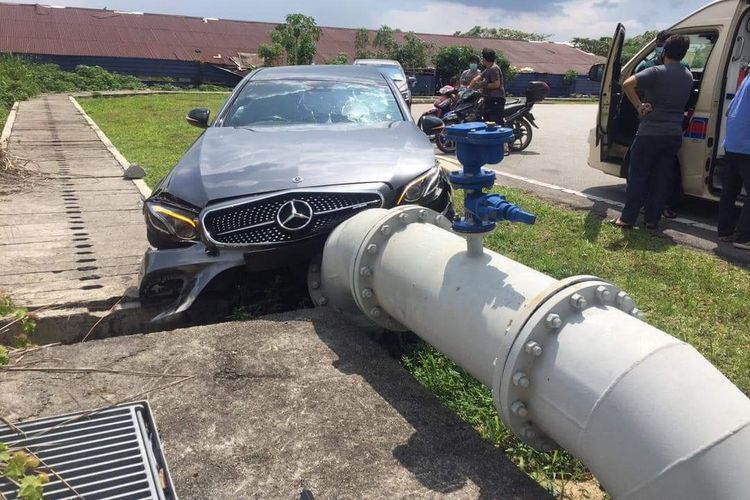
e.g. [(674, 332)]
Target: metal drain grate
[(113, 454)]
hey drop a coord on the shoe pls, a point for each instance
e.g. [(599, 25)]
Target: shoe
[(619, 223), (668, 213), (742, 245), (725, 237)]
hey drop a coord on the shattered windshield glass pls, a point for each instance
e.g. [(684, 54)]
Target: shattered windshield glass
[(280, 103)]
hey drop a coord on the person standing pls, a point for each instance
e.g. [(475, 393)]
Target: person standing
[(736, 173), (666, 89), (674, 192), (468, 75), (490, 81)]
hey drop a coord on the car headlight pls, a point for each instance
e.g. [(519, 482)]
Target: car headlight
[(173, 221), (426, 187)]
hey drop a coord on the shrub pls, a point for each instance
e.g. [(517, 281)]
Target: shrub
[(22, 78)]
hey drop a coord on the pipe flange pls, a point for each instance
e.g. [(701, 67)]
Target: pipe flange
[(315, 282), (368, 258), (517, 381)]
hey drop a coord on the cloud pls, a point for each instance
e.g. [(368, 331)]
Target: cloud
[(572, 18), (514, 5), (605, 4)]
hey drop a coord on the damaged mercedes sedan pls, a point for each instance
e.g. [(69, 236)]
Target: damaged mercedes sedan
[(293, 152)]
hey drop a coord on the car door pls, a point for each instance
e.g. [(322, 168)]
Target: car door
[(610, 93)]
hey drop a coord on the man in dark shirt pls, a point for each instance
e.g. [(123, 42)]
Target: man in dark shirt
[(490, 81), (666, 88)]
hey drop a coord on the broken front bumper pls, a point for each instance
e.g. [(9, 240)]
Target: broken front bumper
[(187, 271)]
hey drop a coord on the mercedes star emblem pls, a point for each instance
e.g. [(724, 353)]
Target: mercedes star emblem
[(297, 180), (294, 215)]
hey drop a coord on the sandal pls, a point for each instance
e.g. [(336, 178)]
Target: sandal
[(619, 223)]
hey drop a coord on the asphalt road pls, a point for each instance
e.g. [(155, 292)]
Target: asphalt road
[(556, 160)]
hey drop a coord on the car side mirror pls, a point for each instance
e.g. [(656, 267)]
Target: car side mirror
[(431, 124), (412, 81), (596, 72), (198, 117)]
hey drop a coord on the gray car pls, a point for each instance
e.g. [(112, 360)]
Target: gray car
[(292, 153)]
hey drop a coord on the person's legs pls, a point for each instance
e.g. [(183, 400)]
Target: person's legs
[(675, 192), (661, 178), (743, 223), (641, 162), (731, 185)]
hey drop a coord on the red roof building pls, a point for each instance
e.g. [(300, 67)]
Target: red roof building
[(80, 33)]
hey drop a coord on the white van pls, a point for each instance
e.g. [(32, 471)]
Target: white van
[(719, 54)]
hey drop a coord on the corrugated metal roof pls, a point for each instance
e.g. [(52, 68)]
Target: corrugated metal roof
[(73, 31)]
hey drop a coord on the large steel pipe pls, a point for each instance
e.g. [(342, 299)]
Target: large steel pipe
[(569, 362)]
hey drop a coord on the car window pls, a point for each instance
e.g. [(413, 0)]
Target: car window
[(280, 103), (392, 72)]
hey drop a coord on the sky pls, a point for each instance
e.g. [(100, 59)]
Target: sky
[(562, 19)]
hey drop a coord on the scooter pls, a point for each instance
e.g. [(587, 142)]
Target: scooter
[(445, 101), (517, 116)]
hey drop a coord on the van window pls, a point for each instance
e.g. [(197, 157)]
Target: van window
[(701, 45)]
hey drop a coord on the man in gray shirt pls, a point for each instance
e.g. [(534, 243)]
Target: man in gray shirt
[(666, 89)]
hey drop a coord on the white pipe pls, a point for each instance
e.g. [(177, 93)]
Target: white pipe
[(569, 362)]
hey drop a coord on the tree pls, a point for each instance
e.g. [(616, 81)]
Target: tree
[(412, 53), (636, 43), (297, 38), (340, 58), (384, 43), (504, 34), (270, 53), (362, 44), (597, 46), (600, 46), (451, 61)]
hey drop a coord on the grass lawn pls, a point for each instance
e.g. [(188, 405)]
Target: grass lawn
[(150, 130), (694, 296)]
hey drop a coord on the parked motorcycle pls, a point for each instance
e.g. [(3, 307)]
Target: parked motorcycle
[(445, 101), (517, 116)]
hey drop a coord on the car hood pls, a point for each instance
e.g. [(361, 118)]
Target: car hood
[(229, 162)]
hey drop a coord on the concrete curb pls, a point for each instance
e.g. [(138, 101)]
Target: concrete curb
[(5, 134), (124, 163)]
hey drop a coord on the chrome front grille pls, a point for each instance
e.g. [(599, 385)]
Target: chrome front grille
[(111, 454), (257, 222)]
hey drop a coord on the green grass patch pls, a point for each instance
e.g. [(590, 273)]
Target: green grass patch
[(150, 130)]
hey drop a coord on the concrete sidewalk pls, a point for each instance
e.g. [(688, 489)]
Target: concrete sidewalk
[(292, 402), (75, 238)]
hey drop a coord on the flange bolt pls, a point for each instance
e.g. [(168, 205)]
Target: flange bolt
[(578, 301), (521, 380), (533, 348), (553, 320), (603, 294), (519, 409)]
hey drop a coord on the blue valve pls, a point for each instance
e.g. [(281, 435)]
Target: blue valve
[(478, 144)]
